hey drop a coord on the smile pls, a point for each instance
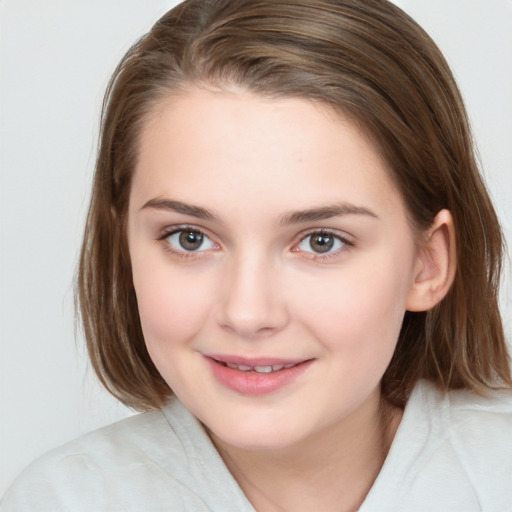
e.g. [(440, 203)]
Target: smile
[(258, 369), (256, 376)]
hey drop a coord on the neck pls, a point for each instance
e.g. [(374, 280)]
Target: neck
[(331, 470)]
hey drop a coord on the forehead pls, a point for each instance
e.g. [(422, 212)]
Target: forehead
[(218, 146)]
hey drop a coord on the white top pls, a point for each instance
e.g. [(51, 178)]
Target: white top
[(451, 453)]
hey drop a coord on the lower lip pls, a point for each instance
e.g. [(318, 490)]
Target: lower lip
[(254, 383)]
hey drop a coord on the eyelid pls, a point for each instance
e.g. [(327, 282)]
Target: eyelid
[(341, 235), (170, 230)]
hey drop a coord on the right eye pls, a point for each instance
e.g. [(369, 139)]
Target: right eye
[(189, 240)]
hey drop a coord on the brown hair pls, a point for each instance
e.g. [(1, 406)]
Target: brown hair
[(365, 58)]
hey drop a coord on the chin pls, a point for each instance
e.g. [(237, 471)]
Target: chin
[(256, 437)]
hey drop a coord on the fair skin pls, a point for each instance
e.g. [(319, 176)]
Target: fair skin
[(273, 261)]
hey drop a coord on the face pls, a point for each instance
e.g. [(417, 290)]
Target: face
[(272, 262)]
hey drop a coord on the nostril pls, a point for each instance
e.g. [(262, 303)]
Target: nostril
[(247, 331), (266, 330)]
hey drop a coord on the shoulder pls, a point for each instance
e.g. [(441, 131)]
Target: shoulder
[(53, 480), (452, 451), (145, 462), (477, 421), (111, 446), (463, 454), (479, 430), (476, 428)]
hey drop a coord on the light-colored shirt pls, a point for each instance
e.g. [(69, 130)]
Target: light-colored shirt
[(451, 453)]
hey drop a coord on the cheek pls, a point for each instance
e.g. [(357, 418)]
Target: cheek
[(170, 308), (358, 311)]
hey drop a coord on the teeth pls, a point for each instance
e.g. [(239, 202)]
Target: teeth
[(259, 369), (263, 369)]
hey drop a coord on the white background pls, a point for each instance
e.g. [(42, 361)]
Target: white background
[(55, 60)]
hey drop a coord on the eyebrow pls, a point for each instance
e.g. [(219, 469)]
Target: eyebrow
[(293, 217), (179, 207), (325, 212)]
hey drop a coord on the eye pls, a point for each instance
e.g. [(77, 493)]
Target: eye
[(321, 242), (189, 240)]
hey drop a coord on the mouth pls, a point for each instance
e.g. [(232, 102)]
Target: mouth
[(256, 376), (270, 368)]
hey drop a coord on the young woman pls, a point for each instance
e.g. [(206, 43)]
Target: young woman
[(292, 263)]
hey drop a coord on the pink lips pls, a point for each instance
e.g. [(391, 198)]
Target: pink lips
[(255, 376)]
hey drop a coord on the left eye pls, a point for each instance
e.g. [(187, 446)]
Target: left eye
[(321, 243), (189, 240)]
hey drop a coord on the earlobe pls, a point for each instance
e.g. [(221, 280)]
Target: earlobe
[(435, 266)]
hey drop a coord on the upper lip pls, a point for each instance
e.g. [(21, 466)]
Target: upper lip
[(256, 361)]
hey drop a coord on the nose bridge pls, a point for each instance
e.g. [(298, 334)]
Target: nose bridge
[(252, 302)]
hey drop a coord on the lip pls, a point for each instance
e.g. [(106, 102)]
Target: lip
[(254, 361), (250, 382)]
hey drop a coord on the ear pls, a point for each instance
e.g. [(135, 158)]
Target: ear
[(435, 264)]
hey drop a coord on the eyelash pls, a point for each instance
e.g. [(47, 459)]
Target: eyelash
[(346, 243)]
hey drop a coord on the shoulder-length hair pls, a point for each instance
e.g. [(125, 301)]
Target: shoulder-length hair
[(364, 58)]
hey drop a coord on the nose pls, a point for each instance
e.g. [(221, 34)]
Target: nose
[(252, 302)]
